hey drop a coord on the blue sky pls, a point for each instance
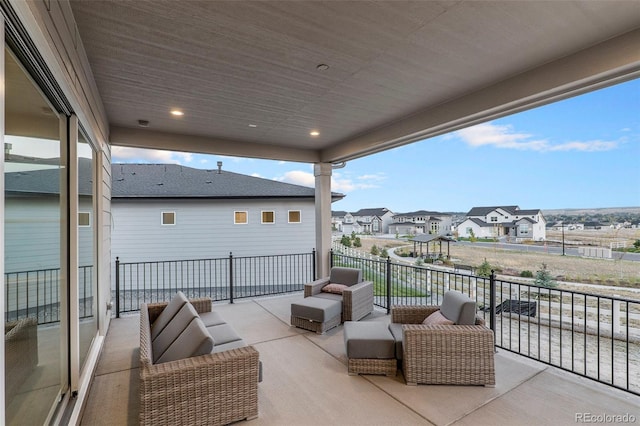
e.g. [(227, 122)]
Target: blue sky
[(582, 152)]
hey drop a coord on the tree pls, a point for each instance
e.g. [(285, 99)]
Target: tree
[(472, 236), (484, 270), (357, 242), (345, 241), (374, 250), (544, 278), (636, 244), (384, 253)]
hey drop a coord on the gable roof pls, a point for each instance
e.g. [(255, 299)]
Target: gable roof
[(379, 211), (483, 211), (46, 180), (422, 213), (175, 181)]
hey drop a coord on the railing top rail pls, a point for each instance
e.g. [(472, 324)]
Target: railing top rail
[(226, 258)]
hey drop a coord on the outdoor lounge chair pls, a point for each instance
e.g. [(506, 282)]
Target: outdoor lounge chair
[(458, 354), (356, 295)]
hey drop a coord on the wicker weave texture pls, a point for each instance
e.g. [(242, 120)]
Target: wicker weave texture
[(388, 367), (213, 389), (448, 354), (315, 326)]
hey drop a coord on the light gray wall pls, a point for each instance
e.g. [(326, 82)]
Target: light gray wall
[(206, 229)]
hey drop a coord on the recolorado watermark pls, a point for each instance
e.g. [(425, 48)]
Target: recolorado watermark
[(605, 418)]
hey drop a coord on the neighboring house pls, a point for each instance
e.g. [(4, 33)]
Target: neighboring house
[(167, 212), (501, 221), (337, 219), (422, 222), (367, 221), (32, 215)]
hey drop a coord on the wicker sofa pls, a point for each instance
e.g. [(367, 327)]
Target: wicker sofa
[(356, 298), (218, 387), (459, 354)]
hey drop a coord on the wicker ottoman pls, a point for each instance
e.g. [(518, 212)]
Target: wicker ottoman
[(370, 348), (316, 314)]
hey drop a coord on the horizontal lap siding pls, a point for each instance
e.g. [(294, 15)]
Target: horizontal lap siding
[(205, 229)]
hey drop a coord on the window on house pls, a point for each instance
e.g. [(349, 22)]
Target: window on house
[(376, 227), (494, 219), (268, 217), (524, 229), (168, 218), (295, 216), (84, 219), (240, 218)]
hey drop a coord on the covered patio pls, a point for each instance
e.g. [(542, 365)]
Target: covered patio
[(306, 382), (427, 239)]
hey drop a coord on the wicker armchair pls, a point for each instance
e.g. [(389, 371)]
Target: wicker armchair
[(213, 389), (444, 354), (357, 299)]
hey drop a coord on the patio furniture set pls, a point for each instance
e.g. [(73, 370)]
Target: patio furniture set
[(195, 368)]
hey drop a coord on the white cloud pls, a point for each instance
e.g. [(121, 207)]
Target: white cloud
[(339, 182), (504, 136), (120, 153)]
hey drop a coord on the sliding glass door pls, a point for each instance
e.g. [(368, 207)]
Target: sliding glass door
[(35, 227)]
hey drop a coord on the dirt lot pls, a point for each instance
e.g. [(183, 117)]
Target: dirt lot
[(596, 237), (606, 272)]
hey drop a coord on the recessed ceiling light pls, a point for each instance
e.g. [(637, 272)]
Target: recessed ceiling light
[(177, 112), (314, 133)]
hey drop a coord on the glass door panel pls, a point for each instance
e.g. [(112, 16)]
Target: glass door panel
[(35, 325)]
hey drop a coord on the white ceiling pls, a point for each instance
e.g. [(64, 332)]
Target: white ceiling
[(398, 71)]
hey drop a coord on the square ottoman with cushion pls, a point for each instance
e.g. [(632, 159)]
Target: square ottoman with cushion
[(316, 314), (370, 348)]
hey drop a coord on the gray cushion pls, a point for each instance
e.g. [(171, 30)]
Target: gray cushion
[(193, 341), (396, 331), (211, 318), (346, 276), (223, 333), (368, 340), (329, 296), (171, 332), (458, 308), (316, 309), (229, 345), (167, 314)]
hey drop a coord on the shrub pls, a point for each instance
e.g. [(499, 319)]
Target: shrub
[(357, 242), (526, 274), (345, 241), (374, 250), (384, 253), (484, 270), (543, 278)]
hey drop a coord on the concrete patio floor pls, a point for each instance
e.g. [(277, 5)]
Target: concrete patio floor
[(306, 382)]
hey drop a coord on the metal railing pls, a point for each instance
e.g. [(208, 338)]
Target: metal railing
[(37, 294), (225, 278), (594, 336)]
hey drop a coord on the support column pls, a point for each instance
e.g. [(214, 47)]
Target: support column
[(322, 173)]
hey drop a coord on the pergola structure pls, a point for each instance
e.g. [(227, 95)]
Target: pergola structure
[(428, 239)]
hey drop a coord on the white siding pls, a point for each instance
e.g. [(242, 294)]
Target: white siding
[(205, 229)]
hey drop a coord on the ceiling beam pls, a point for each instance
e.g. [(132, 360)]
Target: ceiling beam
[(604, 64), (151, 139)]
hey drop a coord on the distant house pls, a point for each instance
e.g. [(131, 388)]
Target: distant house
[(368, 221), (422, 222), (167, 211), (337, 219), (501, 221)]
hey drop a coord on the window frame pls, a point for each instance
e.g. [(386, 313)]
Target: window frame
[(175, 218), (294, 211), (235, 217), (80, 225), (262, 213)]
